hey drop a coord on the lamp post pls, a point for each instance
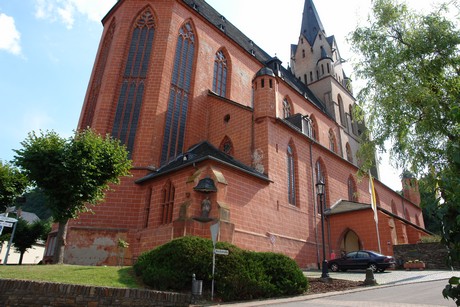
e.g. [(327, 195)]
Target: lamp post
[(320, 192)]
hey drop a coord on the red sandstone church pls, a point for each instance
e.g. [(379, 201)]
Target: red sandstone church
[(220, 131)]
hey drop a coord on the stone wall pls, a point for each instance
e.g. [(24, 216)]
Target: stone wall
[(433, 254), (38, 294)]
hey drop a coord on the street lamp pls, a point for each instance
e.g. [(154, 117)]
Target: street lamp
[(320, 192)]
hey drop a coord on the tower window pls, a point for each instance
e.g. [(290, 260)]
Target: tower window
[(286, 108)]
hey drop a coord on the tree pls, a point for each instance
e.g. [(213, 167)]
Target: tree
[(35, 201), (12, 184), (73, 173), (411, 63), (26, 235)]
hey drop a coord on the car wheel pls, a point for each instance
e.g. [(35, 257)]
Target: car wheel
[(334, 267), (373, 267)]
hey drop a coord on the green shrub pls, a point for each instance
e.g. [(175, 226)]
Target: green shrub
[(241, 275), (170, 266)]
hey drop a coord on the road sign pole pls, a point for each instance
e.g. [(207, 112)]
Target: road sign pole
[(213, 269), (9, 243)]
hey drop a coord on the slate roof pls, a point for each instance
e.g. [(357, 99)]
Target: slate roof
[(220, 22), (198, 153), (344, 206), (311, 24)]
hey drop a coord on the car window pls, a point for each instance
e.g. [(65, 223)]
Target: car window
[(351, 255), (363, 255)]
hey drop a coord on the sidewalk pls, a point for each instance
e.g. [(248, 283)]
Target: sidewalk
[(390, 277)]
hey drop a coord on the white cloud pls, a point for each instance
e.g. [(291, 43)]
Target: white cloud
[(9, 35), (66, 11)]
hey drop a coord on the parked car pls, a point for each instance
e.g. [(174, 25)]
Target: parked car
[(362, 259)]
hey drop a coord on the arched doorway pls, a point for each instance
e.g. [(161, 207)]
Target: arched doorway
[(350, 242)]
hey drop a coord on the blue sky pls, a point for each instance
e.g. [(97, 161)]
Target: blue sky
[(48, 47)]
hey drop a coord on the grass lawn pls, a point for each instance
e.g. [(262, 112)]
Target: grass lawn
[(104, 276)]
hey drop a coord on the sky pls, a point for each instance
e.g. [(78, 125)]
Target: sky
[(48, 48)]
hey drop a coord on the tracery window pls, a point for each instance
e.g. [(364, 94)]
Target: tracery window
[(286, 108), (291, 176), (93, 94), (332, 142), (352, 190), (219, 84), (167, 205), (176, 115), (319, 176), (349, 153), (343, 120), (132, 88)]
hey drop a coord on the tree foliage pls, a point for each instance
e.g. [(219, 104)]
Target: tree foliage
[(12, 184), (73, 173), (35, 201), (411, 63), (26, 235)]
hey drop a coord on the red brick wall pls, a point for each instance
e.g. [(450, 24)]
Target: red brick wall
[(260, 216)]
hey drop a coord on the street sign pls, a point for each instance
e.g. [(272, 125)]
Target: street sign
[(7, 219), (214, 232), (6, 224), (221, 251)]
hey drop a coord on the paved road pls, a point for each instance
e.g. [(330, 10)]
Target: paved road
[(392, 277), (396, 289), (425, 294)]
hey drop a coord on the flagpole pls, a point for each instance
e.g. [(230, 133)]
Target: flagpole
[(378, 235), (374, 208)]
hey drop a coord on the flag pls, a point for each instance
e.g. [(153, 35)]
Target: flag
[(373, 200)]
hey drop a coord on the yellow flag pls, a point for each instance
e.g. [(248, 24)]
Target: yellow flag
[(373, 200)]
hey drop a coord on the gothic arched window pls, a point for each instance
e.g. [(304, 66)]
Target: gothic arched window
[(291, 176), (332, 141), (286, 108), (132, 88), (167, 205), (319, 176), (352, 190), (349, 153), (219, 84), (176, 115)]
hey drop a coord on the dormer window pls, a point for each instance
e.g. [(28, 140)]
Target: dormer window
[(307, 126), (222, 27)]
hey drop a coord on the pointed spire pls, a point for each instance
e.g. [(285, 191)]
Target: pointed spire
[(311, 24)]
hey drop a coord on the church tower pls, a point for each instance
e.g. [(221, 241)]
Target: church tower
[(316, 62)]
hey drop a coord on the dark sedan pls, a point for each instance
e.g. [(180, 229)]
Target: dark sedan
[(361, 260)]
